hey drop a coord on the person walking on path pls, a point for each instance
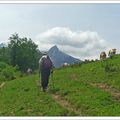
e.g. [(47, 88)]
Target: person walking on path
[(45, 68)]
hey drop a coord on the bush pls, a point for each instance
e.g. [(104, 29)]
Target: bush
[(8, 72), (111, 68), (2, 78), (3, 65)]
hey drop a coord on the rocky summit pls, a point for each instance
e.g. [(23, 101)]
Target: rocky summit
[(59, 58)]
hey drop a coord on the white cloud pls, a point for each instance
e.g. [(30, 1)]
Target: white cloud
[(81, 44)]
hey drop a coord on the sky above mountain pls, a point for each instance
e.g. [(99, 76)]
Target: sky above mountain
[(80, 30)]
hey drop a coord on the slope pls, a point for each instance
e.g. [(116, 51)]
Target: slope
[(93, 88), (87, 89), (24, 98)]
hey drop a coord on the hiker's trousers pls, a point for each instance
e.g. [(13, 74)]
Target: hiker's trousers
[(45, 73)]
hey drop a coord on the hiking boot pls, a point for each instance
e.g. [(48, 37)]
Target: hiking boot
[(45, 90)]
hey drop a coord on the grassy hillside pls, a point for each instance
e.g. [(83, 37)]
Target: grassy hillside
[(91, 89), (23, 98)]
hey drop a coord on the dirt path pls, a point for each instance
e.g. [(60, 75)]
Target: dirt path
[(64, 103), (74, 76), (114, 92), (2, 84)]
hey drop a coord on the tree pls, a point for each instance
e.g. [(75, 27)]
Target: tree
[(24, 52), (5, 55), (14, 48)]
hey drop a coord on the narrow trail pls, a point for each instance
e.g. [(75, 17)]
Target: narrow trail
[(114, 92), (64, 103), (2, 84), (74, 76)]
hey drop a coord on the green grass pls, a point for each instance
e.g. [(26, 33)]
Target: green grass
[(23, 97), (92, 101)]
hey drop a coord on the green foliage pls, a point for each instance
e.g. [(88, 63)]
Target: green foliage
[(3, 65), (5, 55), (111, 68), (8, 72), (23, 52)]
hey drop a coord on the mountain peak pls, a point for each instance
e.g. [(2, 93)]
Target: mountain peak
[(54, 48), (58, 57)]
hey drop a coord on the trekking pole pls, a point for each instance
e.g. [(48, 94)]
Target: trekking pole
[(52, 80), (39, 81), (39, 78)]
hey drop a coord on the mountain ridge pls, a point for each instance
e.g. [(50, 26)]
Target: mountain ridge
[(59, 58), (2, 45)]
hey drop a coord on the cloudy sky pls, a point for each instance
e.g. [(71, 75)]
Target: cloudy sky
[(80, 30)]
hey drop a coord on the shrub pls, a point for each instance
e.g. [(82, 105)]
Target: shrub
[(3, 65), (8, 72), (2, 78), (111, 68)]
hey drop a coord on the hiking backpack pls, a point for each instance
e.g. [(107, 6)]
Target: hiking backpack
[(46, 63)]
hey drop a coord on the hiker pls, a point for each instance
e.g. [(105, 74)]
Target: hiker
[(45, 68), (29, 71)]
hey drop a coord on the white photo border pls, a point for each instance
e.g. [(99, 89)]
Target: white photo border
[(58, 2), (55, 1)]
